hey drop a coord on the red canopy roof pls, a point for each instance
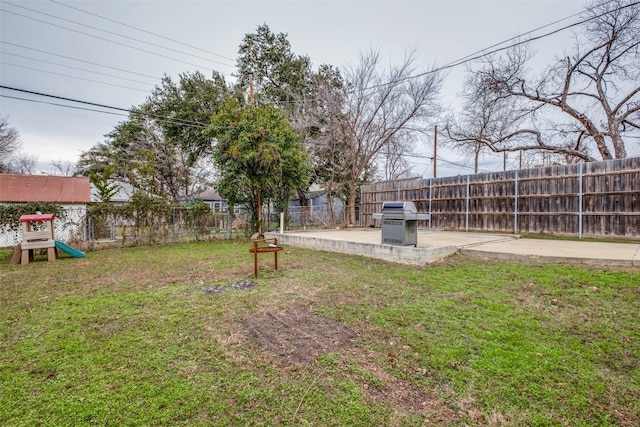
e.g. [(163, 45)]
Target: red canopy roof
[(37, 217)]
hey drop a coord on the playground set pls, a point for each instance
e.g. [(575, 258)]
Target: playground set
[(38, 233)]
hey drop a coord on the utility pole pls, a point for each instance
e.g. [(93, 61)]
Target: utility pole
[(435, 150), (520, 159)]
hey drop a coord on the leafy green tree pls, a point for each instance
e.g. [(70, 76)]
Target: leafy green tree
[(259, 157), (161, 147), (279, 76), (105, 186), (135, 152), (189, 104), (311, 99)]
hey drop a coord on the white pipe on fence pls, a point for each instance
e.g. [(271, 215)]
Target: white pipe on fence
[(515, 208), (281, 222), (580, 200), (430, 201), (466, 221)]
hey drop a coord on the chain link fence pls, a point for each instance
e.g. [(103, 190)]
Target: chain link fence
[(89, 232), (84, 230), (315, 217), (182, 224)]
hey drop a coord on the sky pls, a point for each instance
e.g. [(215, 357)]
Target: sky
[(114, 52)]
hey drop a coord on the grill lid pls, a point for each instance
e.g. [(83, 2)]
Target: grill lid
[(399, 208)]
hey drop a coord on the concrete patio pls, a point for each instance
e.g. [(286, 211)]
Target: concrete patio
[(434, 245)]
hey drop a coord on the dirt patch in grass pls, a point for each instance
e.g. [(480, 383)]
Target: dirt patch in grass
[(437, 405), (298, 335)]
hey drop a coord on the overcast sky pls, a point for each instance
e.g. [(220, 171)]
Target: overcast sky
[(112, 65)]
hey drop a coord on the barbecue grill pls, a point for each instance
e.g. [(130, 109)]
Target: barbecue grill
[(400, 223)]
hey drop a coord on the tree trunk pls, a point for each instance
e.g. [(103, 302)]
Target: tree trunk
[(475, 159), (618, 146), (601, 145), (258, 213), (332, 218), (351, 213)]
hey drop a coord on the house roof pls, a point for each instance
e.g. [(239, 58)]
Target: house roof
[(41, 188), (210, 195), (317, 193)]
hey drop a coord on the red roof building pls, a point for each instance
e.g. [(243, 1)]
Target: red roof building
[(41, 188)]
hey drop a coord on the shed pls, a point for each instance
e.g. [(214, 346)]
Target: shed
[(72, 193), (64, 190)]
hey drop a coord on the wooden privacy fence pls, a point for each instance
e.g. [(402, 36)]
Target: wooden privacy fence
[(584, 199)]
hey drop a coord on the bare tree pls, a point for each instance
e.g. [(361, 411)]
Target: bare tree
[(584, 101), (9, 144), (393, 157), (483, 122), (64, 167), (499, 123), (380, 108), (24, 163)]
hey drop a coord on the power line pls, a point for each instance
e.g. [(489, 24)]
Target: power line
[(144, 31), (566, 27), (119, 35), (104, 39), (94, 104), (79, 60), (167, 120), (440, 159), (469, 58), (525, 34), (479, 54), (155, 116), (71, 77), (418, 156), (61, 105), (73, 68)]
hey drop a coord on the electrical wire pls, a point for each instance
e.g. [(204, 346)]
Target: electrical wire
[(37, 101), (468, 58), (72, 77), (104, 39), (440, 159), (456, 63), (72, 67), (144, 31), (94, 104), (78, 60), (118, 34), (526, 33), (83, 108), (479, 54)]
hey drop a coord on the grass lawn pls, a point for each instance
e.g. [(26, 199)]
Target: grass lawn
[(127, 337)]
